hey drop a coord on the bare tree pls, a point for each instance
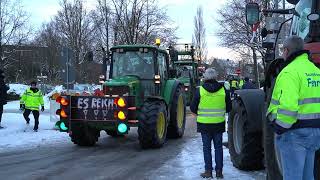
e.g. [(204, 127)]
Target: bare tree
[(76, 29), (234, 32), (141, 21), (199, 36), (13, 29), (49, 37)]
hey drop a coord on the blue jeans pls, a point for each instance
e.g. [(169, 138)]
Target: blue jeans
[(297, 149), (207, 138)]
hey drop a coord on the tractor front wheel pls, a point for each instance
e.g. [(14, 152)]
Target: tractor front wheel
[(153, 122)]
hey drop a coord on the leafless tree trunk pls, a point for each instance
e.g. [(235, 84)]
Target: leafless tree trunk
[(49, 37), (199, 36), (76, 29), (13, 28)]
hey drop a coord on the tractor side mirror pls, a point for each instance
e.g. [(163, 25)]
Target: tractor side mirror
[(252, 13), (88, 57)]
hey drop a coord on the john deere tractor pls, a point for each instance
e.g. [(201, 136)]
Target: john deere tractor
[(186, 68), (138, 93)]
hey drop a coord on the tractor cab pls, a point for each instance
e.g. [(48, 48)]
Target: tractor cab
[(186, 67), (137, 70)]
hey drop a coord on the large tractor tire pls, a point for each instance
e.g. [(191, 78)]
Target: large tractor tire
[(153, 124), (245, 145), (84, 135), (272, 158), (177, 115)]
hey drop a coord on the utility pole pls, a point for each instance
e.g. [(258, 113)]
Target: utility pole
[(106, 53)]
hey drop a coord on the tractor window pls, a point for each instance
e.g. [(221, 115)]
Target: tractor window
[(162, 65), (302, 24), (133, 63)]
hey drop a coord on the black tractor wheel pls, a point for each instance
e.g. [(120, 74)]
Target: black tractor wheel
[(113, 133), (245, 145), (153, 123), (84, 136), (272, 158), (177, 115)]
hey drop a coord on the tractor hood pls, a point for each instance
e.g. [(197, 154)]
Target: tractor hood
[(129, 80), (184, 80)]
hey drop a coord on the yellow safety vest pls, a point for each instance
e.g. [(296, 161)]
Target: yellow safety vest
[(234, 84), (212, 106), (296, 94), (241, 83), (32, 100)]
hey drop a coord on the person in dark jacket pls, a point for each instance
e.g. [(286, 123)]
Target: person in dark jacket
[(210, 103), (247, 84), (3, 94)]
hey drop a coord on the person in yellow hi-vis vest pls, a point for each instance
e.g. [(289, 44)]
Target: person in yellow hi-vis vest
[(210, 104), (294, 111), (30, 101), (241, 82)]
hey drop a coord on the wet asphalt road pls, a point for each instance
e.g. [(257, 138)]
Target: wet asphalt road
[(114, 158)]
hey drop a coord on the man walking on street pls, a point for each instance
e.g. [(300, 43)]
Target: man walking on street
[(3, 94), (210, 104), (294, 111), (30, 102)]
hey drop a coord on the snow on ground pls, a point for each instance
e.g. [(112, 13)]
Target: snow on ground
[(189, 163), (18, 89), (13, 135)]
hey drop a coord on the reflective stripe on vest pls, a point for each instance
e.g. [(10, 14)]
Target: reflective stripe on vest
[(211, 107)]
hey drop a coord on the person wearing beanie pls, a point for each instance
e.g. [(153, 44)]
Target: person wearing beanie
[(30, 102), (210, 104), (3, 94)]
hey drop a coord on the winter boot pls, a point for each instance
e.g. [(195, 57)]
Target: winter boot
[(1, 126), (219, 174), (206, 174)]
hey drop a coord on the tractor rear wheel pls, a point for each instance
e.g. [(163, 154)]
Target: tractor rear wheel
[(177, 115), (272, 158), (84, 135), (153, 122), (245, 146)]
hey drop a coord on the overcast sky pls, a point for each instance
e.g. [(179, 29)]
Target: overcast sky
[(182, 13)]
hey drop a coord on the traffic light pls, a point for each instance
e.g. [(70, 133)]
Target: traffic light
[(64, 113)]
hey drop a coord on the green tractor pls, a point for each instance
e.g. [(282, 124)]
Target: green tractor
[(186, 68), (139, 93)]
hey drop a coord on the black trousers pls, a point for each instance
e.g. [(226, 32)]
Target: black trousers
[(1, 111), (35, 115)]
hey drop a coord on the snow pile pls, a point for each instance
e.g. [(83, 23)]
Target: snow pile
[(18, 89), (57, 89), (14, 137)]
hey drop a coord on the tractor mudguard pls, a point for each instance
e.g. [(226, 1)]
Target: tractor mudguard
[(253, 100), (170, 89)]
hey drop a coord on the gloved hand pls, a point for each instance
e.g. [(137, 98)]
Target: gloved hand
[(42, 108), (22, 106)]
